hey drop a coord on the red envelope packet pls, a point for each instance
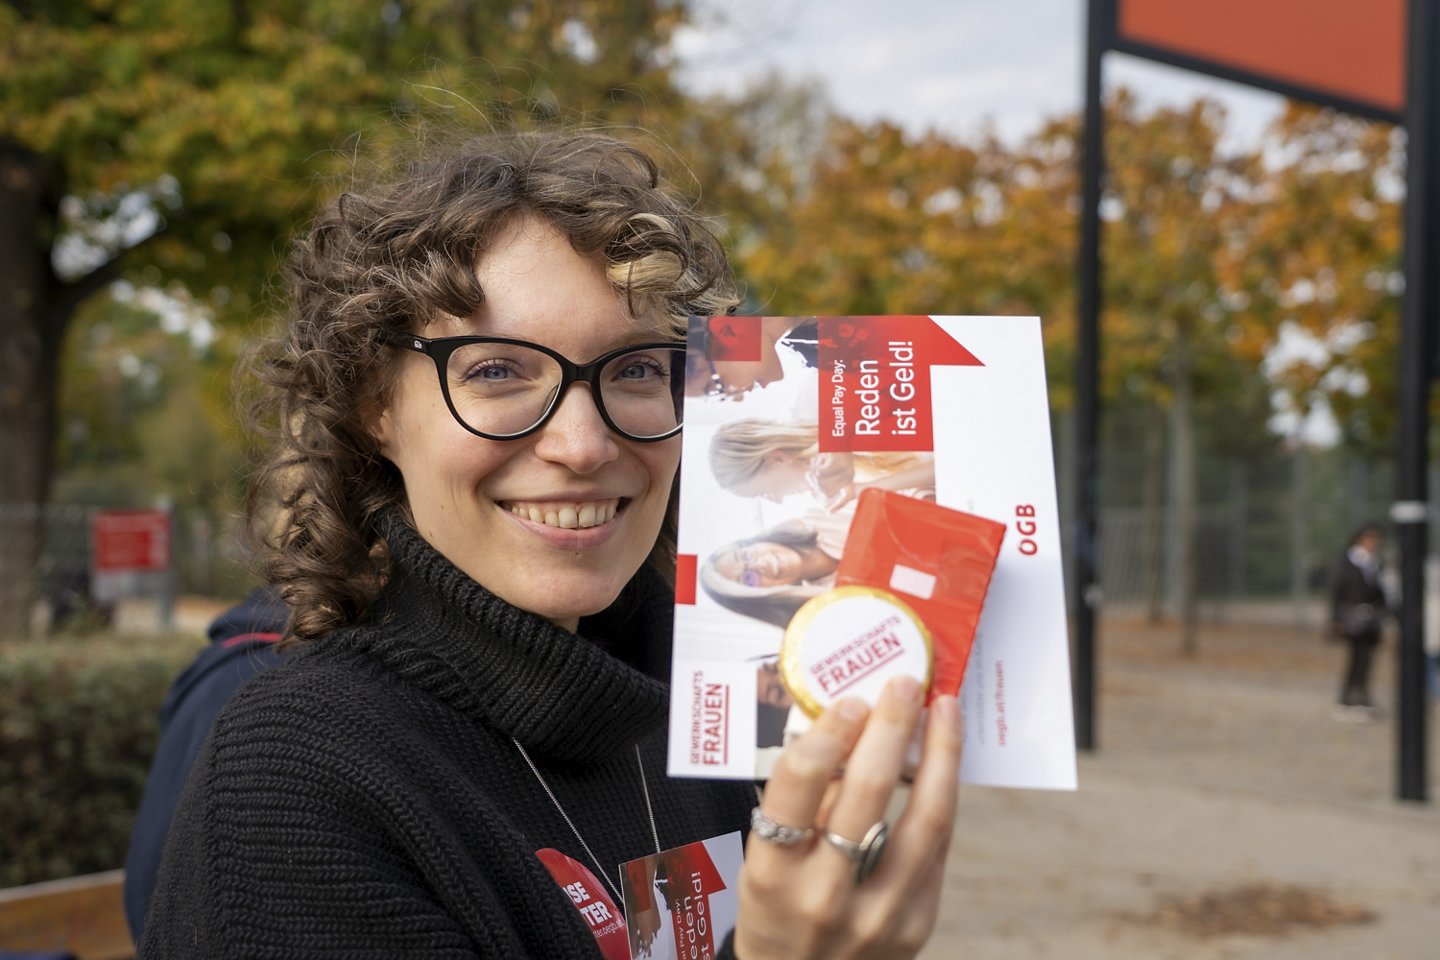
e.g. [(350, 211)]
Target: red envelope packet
[(937, 559)]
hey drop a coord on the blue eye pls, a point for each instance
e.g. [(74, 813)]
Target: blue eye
[(640, 368), (493, 370)]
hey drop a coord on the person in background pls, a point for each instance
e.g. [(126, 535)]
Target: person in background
[(1358, 609), (242, 643)]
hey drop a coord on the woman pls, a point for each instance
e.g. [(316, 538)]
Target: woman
[(764, 458), (1357, 615), (733, 356), (771, 575), (475, 557)]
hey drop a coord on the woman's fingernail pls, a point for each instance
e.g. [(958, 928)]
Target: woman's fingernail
[(852, 709), (907, 687), (946, 709)]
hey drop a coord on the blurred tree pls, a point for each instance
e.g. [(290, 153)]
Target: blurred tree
[(147, 414), (1318, 261), (751, 156), (1171, 198), (166, 141), (892, 223)]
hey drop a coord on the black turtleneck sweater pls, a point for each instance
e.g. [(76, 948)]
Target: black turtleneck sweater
[(364, 798)]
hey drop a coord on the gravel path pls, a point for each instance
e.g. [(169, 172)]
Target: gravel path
[(1227, 814)]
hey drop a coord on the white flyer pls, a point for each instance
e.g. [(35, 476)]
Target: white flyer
[(789, 422)]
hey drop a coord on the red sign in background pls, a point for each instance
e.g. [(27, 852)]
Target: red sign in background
[(130, 540), (1347, 48)]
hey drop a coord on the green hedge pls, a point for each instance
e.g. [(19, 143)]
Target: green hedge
[(77, 730)]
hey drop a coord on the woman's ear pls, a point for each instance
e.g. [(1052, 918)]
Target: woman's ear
[(379, 425), (380, 429)]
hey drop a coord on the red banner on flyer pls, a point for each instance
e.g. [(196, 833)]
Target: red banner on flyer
[(691, 880), (875, 393)]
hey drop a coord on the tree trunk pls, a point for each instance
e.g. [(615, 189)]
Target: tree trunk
[(30, 336), (1152, 516), (1186, 513)]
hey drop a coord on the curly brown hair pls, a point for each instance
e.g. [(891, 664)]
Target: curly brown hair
[(396, 257)]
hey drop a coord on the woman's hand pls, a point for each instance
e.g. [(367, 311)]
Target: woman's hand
[(643, 928), (804, 900)]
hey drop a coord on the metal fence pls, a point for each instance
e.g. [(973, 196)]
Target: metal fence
[(1267, 528), (205, 557)]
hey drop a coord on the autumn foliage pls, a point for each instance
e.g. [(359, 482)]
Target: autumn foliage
[(176, 145)]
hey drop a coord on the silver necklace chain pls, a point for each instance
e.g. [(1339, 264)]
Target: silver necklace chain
[(644, 786)]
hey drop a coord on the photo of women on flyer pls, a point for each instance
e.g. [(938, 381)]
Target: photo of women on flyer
[(770, 575), (753, 457), (731, 356)]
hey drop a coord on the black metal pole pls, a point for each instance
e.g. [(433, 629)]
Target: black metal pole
[(1085, 542), (1419, 314)]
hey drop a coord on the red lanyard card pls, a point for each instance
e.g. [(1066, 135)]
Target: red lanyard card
[(937, 559), (588, 895)]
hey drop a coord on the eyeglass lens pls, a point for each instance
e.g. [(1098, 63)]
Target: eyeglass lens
[(748, 576), (506, 388)]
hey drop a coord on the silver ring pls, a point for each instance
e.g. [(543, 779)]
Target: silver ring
[(865, 854), (777, 833)]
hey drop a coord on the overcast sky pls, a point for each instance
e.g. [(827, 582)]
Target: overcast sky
[(953, 65)]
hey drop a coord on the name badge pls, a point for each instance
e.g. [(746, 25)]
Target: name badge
[(682, 903)]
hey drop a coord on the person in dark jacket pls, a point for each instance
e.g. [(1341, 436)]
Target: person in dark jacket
[(1358, 609), (242, 643), (469, 510)]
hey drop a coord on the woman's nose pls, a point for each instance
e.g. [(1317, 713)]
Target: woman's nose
[(576, 435)]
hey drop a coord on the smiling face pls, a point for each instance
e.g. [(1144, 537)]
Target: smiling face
[(557, 522), (766, 564)]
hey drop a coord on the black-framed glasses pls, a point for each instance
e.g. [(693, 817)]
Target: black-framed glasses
[(749, 576), (501, 388)]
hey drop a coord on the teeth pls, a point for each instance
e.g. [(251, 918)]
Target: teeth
[(569, 516)]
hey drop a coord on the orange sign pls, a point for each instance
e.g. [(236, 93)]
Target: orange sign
[(1336, 48)]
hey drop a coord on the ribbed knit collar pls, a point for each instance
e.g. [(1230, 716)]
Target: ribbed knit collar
[(561, 695)]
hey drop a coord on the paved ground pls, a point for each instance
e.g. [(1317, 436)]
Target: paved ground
[(1227, 814)]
